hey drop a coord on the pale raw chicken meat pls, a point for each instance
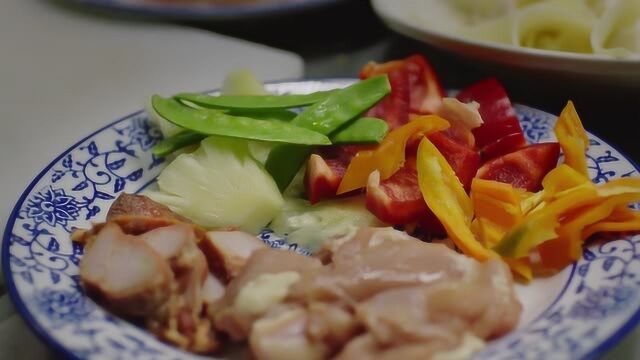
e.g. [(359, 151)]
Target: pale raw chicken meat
[(264, 282), (282, 335), (228, 251), (384, 295)]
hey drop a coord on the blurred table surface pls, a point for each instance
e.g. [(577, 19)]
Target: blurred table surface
[(336, 41)]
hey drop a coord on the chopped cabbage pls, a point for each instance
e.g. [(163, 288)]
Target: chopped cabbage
[(220, 184), (311, 225)]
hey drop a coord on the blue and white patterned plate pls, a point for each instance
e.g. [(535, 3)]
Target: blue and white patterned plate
[(578, 313), (206, 10)]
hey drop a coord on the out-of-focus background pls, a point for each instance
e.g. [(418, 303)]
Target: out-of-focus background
[(67, 69)]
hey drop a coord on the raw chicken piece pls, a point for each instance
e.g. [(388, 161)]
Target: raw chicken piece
[(264, 282), (140, 205), (228, 251), (365, 347), (124, 273), (332, 324), (379, 261), (281, 335)]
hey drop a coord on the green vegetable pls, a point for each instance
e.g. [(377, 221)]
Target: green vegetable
[(212, 122), (325, 117), (269, 115), (218, 185), (260, 102), (242, 82), (176, 142), (311, 225), (362, 130)]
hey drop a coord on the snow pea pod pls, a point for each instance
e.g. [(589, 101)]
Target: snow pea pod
[(177, 142), (361, 131), (325, 117), (254, 101), (212, 122)]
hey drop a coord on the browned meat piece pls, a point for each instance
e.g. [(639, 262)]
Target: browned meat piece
[(228, 251), (140, 205), (124, 273), (158, 274)]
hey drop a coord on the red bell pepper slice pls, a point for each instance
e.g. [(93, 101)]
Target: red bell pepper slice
[(524, 168), (415, 88), (499, 118), (326, 168)]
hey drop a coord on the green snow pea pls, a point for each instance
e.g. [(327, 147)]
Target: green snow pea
[(212, 122), (325, 117), (270, 115), (361, 131), (177, 142), (254, 101)]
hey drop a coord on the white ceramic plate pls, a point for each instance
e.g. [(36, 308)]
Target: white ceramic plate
[(578, 313), (411, 18), (206, 10)]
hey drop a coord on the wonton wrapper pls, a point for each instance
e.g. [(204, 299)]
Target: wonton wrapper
[(617, 32)]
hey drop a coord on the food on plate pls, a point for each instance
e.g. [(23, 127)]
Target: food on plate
[(218, 185), (605, 27), (472, 205), (377, 284)]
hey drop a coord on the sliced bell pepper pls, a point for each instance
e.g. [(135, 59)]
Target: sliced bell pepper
[(521, 267), (496, 202), (541, 225), (500, 120), (389, 156), (425, 90), (568, 247), (448, 200), (621, 219), (562, 178), (573, 139)]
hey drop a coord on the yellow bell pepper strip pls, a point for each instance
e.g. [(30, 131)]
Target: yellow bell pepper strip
[(621, 219), (573, 139), (540, 226), (562, 178), (531, 202), (521, 267), (567, 248), (620, 186), (487, 232), (497, 202), (446, 198), (389, 156)]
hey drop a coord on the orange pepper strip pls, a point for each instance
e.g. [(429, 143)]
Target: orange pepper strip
[(616, 222), (445, 196), (497, 202), (573, 139), (388, 157), (567, 248), (540, 226), (562, 178)]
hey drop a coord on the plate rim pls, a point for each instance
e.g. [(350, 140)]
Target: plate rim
[(204, 11), (20, 306)]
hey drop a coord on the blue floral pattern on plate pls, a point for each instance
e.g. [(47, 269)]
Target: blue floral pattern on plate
[(596, 303)]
